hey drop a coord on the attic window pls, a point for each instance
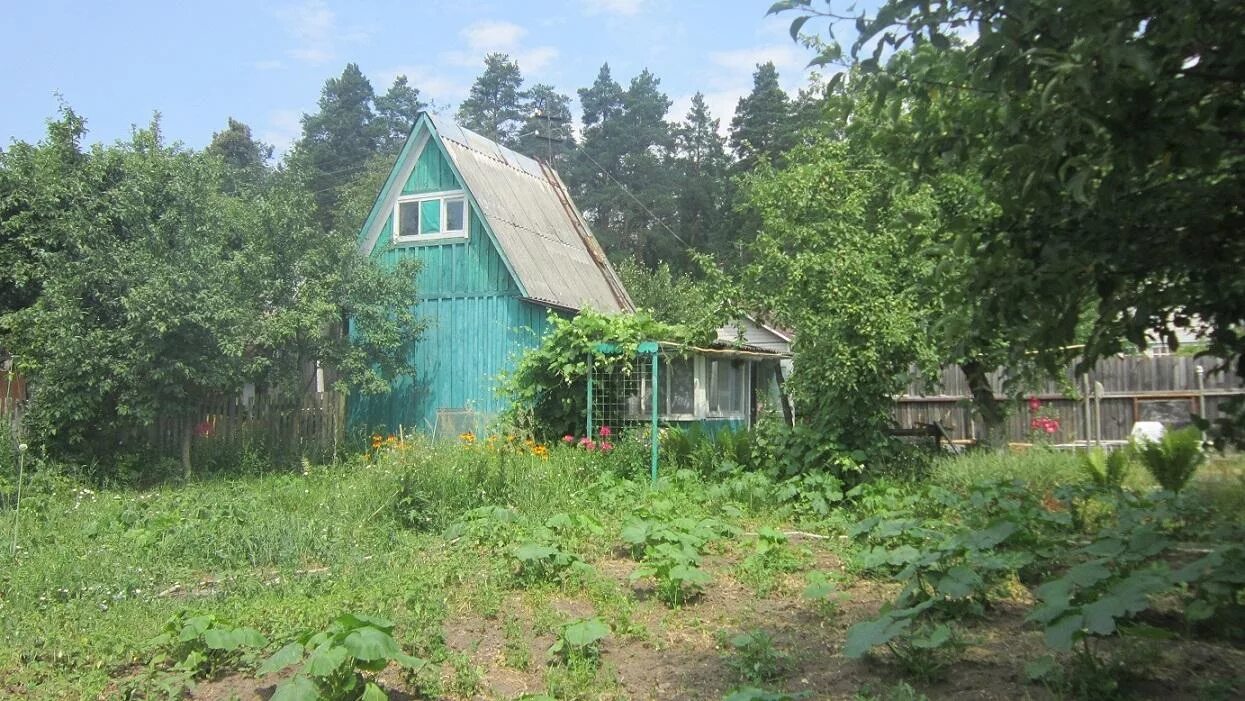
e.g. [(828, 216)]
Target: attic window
[(425, 216)]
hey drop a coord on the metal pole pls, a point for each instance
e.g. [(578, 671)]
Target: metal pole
[(17, 512), (1099, 390), (1201, 391), (1089, 422), (588, 428), (653, 427)]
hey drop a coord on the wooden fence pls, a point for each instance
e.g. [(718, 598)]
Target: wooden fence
[(227, 429), (1132, 388)]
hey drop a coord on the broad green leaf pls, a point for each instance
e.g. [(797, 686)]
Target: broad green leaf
[(371, 644), (531, 552), (1062, 633), (325, 660), (371, 692), (586, 632), (299, 688), (959, 582), (863, 637), (287, 656)]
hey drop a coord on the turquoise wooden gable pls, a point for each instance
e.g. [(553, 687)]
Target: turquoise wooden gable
[(500, 246)]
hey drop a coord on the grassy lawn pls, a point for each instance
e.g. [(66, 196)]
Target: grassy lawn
[(483, 560)]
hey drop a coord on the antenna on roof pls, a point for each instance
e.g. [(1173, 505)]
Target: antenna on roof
[(548, 137)]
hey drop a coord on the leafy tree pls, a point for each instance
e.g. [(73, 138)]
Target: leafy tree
[(396, 113), (36, 192), (1112, 132), (837, 261), (338, 139), (140, 312), (762, 126), (246, 158), (547, 133), (675, 298), (153, 289), (496, 105)]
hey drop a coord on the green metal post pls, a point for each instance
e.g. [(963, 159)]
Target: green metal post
[(655, 439), (588, 429)]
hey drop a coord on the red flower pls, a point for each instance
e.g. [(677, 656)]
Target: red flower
[(1034, 403), (203, 429), (606, 446)]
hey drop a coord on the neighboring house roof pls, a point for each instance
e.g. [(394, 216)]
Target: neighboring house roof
[(527, 209), (750, 334)]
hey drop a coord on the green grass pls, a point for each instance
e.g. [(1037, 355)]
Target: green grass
[(100, 572)]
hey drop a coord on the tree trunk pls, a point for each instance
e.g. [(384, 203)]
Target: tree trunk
[(985, 404), (188, 432)]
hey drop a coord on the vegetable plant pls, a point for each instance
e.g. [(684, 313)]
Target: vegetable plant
[(676, 571), (1106, 470), (755, 658), (337, 663), (579, 641), (203, 646), (1174, 458)]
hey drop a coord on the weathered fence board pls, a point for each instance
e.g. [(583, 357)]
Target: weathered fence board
[(1133, 388)]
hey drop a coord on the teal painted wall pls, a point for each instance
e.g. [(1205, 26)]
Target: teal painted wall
[(477, 325), (432, 173)]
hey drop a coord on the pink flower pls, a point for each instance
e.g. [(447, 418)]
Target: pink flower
[(605, 432), (606, 446), (1051, 427), (587, 443), (568, 439), (1034, 403), (1035, 424)]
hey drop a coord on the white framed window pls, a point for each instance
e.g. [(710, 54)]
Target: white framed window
[(726, 387), (430, 216), (692, 388)]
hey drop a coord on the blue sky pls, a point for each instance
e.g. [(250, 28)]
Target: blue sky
[(265, 62)]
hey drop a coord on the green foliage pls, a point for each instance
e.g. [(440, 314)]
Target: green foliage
[(549, 383), (675, 569), (1174, 458), (770, 558), (754, 657), (580, 640), (1095, 153), (824, 595), (333, 662), (494, 107), (205, 646), (834, 259), (752, 693), (1106, 470)]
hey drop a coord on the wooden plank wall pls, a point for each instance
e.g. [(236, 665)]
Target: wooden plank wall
[(1134, 388)]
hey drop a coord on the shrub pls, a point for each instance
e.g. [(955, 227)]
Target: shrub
[(1174, 458), (1107, 470)]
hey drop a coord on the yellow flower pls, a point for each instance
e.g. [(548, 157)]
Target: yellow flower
[(467, 437), (540, 451)]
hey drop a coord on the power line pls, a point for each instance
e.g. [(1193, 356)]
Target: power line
[(655, 218)]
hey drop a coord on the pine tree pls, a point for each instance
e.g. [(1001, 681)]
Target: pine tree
[(702, 195), (495, 106), (623, 173), (396, 112), (548, 133), (338, 140), (762, 127)]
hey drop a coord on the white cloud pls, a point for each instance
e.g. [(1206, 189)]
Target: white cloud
[(432, 84), (316, 31), (282, 130), (625, 8), (491, 36), (785, 57)]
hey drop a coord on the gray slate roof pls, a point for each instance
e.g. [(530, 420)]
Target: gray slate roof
[(539, 230)]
